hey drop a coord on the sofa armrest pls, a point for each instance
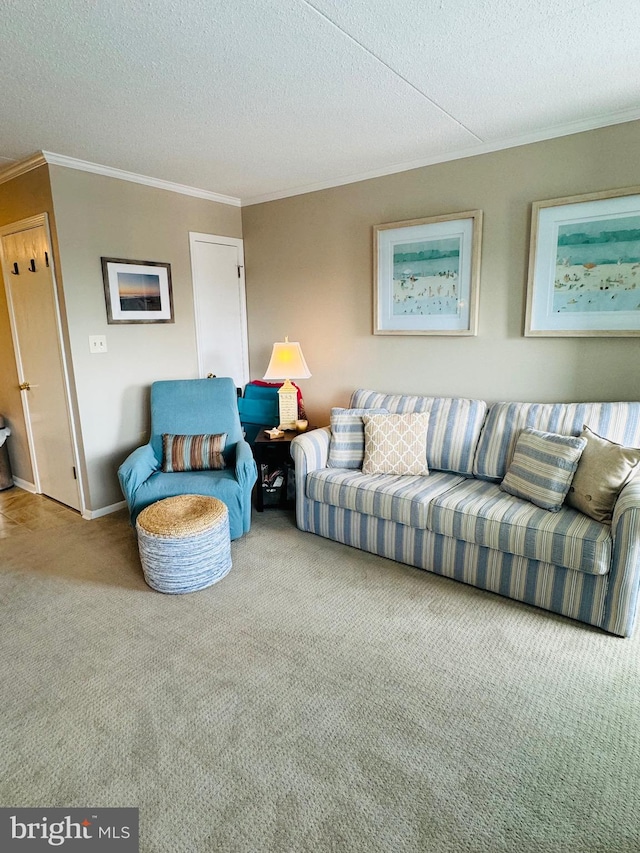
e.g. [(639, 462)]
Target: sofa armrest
[(310, 452), (137, 468), (245, 470), (628, 500), (624, 578)]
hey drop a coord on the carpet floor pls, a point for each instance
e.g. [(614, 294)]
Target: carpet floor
[(317, 699)]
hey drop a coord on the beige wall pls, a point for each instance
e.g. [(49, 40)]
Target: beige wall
[(309, 275), (99, 217), (20, 198)]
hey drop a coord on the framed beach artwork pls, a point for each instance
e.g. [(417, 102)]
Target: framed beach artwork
[(584, 266), (426, 275), (137, 291)]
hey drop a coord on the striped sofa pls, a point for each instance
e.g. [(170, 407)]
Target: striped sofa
[(458, 523)]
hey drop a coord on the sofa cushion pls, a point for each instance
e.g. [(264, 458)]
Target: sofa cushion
[(478, 511), (604, 469), (404, 499), (454, 425), (396, 444), (618, 422), (542, 467), (346, 449)]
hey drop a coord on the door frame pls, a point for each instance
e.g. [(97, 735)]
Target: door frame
[(197, 237), (42, 219)]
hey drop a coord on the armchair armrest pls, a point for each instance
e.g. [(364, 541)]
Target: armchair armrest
[(624, 578), (246, 470), (137, 468)]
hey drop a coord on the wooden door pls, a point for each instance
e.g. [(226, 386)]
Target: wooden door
[(217, 266), (35, 320)]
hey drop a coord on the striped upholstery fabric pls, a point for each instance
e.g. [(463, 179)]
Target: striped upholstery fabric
[(454, 425), (193, 452), (608, 601), (618, 422), (399, 498), (480, 512), (347, 437), (624, 577), (542, 467), (578, 595)]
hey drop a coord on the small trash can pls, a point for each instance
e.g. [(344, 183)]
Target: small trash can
[(6, 480)]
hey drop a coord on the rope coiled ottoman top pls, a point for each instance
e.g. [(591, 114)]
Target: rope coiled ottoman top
[(184, 515), (184, 543)]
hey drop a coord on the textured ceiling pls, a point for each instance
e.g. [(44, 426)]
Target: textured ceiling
[(258, 98)]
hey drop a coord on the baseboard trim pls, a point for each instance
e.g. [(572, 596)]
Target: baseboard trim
[(90, 514), (23, 484)]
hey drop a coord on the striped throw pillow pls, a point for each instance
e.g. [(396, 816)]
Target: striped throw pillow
[(346, 449), (193, 452), (542, 467)]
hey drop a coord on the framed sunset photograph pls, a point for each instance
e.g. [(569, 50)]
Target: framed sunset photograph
[(137, 291)]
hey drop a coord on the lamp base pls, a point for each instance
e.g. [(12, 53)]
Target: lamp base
[(288, 405)]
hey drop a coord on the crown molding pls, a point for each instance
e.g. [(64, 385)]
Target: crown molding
[(49, 157), (21, 167), (122, 175), (472, 151)]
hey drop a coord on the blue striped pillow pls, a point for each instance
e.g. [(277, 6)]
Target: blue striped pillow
[(542, 467), (346, 449)]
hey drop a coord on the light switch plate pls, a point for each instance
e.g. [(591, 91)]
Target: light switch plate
[(97, 343)]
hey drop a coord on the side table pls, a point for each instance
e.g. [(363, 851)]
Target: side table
[(275, 467)]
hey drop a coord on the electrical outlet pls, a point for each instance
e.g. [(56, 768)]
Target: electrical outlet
[(97, 343)]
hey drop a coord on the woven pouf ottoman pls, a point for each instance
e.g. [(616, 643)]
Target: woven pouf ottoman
[(184, 543)]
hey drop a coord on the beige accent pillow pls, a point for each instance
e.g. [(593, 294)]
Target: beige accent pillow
[(604, 468), (395, 444)]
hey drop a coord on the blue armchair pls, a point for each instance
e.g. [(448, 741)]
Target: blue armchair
[(193, 407)]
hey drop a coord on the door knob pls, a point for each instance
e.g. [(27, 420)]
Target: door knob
[(24, 386)]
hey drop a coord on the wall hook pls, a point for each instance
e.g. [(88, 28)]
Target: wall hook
[(15, 270), (32, 265)]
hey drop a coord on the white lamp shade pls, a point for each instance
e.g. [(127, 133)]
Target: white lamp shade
[(287, 362)]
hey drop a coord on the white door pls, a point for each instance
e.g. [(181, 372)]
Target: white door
[(35, 322), (217, 266)]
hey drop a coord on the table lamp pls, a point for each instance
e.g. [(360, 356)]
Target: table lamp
[(287, 363)]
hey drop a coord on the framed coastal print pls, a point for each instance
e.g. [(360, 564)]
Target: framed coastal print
[(426, 275), (137, 291), (584, 266)]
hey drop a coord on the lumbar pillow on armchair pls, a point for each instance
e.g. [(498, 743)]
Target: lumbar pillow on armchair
[(193, 452)]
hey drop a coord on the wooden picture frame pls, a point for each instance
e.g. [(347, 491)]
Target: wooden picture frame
[(137, 291), (584, 266), (426, 275)]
